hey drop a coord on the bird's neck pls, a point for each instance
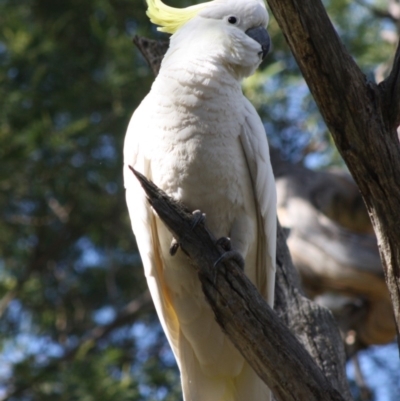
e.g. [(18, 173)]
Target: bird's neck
[(199, 74)]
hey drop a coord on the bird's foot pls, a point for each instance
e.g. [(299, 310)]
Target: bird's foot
[(198, 218), (173, 249), (229, 254), (224, 243)]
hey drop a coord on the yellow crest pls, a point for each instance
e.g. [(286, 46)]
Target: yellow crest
[(170, 19)]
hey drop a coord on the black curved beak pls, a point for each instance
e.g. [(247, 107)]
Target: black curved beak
[(261, 36)]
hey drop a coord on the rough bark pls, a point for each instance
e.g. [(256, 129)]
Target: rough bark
[(152, 50), (257, 332), (362, 117), (313, 326)]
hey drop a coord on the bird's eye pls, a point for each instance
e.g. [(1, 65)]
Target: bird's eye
[(232, 20)]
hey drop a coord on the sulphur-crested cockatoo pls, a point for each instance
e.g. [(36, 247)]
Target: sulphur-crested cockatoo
[(199, 139)]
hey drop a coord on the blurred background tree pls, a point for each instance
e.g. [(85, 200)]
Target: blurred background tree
[(76, 319)]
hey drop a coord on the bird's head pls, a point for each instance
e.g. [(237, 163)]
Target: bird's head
[(229, 32)]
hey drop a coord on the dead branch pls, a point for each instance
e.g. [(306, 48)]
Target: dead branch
[(257, 332), (152, 50)]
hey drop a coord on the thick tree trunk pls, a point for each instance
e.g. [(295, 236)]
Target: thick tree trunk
[(363, 118)]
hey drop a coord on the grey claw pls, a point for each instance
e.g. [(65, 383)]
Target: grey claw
[(224, 243), (233, 255), (173, 249), (198, 217)]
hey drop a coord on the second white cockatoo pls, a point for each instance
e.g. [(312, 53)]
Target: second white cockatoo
[(199, 139)]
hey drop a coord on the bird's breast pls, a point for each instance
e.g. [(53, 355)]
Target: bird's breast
[(194, 147), (206, 172), (193, 144)]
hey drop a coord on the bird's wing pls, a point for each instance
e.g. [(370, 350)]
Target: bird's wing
[(144, 226), (256, 150)]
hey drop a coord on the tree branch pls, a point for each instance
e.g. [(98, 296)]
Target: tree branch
[(257, 332), (378, 12), (359, 118), (152, 50), (314, 326)]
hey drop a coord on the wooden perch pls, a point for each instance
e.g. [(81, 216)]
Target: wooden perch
[(257, 332)]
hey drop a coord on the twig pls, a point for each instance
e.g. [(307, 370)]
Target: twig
[(366, 394), (378, 12)]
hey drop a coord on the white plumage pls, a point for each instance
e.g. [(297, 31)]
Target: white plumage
[(200, 140)]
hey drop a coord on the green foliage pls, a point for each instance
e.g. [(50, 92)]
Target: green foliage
[(69, 81)]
